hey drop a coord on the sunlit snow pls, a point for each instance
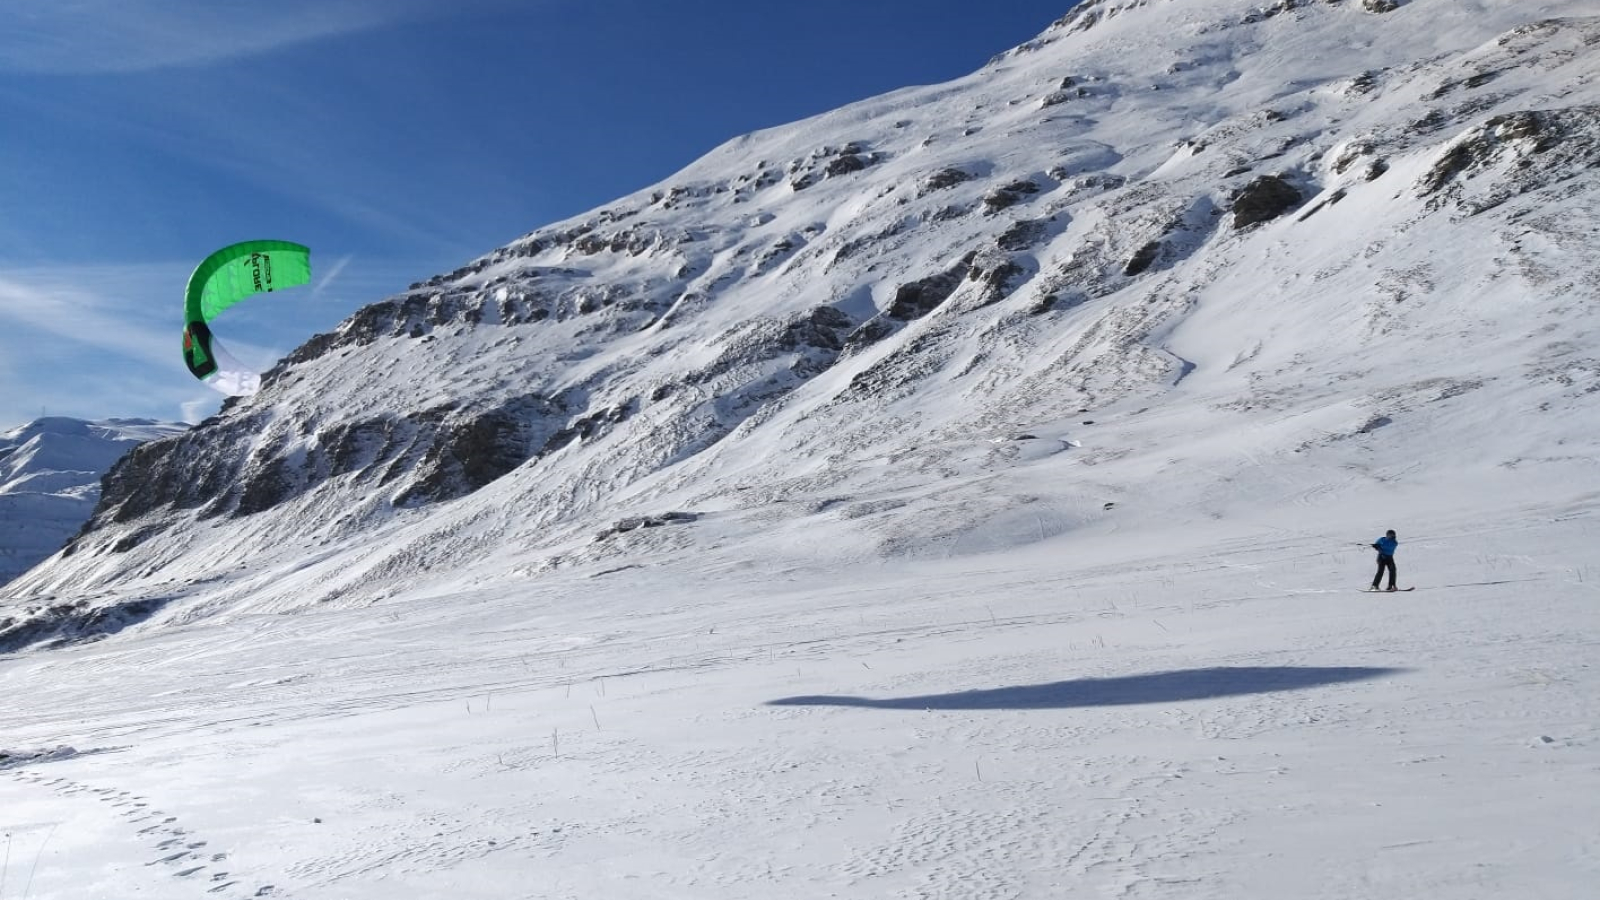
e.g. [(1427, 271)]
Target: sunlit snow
[(1051, 586)]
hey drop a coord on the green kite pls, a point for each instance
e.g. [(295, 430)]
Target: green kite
[(223, 279)]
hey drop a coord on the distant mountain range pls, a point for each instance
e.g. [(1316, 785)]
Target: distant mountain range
[(50, 472)]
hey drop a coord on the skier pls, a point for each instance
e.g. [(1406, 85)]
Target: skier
[(1385, 546)]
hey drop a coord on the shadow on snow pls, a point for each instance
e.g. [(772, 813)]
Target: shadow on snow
[(1128, 690)]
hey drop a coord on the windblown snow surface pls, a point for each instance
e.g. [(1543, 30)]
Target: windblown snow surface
[(1050, 583)]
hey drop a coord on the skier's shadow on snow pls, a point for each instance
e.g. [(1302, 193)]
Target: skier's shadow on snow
[(1127, 690)]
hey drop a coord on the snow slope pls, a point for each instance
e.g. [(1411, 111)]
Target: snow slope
[(50, 480), (966, 493), (1057, 237), (1082, 230)]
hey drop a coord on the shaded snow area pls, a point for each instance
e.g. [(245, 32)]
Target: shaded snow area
[(968, 493), (50, 473)]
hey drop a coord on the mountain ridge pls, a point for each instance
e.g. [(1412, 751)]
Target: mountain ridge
[(894, 298), (50, 471)]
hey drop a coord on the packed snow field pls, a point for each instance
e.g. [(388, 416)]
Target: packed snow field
[(967, 498), (1147, 706)]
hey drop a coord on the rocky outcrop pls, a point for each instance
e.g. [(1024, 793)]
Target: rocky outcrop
[(1262, 200), (429, 456), (71, 622), (944, 179), (813, 339), (1524, 151), (1143, 259), (1023, 235), (1010, 194), (469, 450), (831, 162), (634, 523)]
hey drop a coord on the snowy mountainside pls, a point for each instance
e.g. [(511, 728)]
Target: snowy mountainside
[(50, 473), (1165, 243)]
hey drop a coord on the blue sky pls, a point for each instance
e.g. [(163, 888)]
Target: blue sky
[(397, 138)]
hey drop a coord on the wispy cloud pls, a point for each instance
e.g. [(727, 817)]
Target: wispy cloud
[(329, 276), (195, 410), (83, 37), (89, 343), (46, 304)]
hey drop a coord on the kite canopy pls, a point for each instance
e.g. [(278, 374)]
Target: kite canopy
[(224, 278)]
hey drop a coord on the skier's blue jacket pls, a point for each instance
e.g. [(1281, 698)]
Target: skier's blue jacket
[(1386, 545)]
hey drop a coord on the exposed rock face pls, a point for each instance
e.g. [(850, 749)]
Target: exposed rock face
[(918, 298), (831, 162), (633, 523), (71, 622), (1024, 235), (1263, 200), (1143, 259), (944, 179), (469, 451), (430, 456), (1531, 149), (1009, 195)]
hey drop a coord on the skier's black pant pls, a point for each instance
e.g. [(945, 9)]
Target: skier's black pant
[(1385, 563)]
